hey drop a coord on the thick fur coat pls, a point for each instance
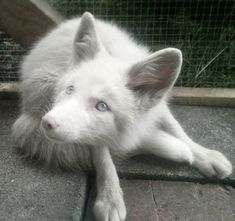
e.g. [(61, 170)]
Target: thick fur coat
[(91, 93)]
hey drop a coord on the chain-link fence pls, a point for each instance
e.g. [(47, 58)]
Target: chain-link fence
[(10, 57), (203, 29)]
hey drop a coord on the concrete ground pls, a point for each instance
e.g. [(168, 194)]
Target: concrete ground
[(154, 189)]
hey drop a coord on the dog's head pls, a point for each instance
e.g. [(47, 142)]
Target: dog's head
[(100, 95)]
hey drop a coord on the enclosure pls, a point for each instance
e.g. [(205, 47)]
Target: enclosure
[(155, 189), (203, 29)]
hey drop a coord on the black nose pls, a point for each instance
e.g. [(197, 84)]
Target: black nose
[(49, 122)]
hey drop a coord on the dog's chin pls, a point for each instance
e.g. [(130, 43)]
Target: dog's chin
[(57, 138), (60, 138)]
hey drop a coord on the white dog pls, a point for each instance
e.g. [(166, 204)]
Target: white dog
[(90, 93)]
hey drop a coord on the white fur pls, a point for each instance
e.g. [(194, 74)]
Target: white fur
[(102, 63)]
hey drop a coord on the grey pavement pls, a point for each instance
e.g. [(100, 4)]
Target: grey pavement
[(148, 200), (32, 192)]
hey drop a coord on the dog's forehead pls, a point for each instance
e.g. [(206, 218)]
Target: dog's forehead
[(107, 73), (103, 68), (97, 86)]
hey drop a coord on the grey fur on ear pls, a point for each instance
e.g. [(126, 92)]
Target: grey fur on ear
[(86, 41), (156, 74)]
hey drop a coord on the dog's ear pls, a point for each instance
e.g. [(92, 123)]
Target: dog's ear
[(86, 43), (155, 75)]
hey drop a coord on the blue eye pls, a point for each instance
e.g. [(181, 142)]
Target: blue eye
[(69, 89), (102, 106)]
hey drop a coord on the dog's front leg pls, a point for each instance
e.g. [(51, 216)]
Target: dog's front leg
[(109, 204), (209, 162)]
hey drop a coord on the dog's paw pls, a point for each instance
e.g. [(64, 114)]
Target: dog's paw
[(110, 206), (212, 163)]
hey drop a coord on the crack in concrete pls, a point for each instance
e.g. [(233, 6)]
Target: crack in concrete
[(159, 218)]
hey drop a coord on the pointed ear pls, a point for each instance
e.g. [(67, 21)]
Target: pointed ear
[(155, 75), (86, 41)]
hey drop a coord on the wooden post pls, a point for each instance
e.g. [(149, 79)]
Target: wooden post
[(26, 20)]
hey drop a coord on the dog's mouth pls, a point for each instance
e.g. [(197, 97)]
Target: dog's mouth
[(54, 138)]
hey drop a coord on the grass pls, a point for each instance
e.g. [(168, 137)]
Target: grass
[(209, 55)]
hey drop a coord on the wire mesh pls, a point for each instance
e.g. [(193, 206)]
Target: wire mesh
[(10, 57), (203, 29)]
